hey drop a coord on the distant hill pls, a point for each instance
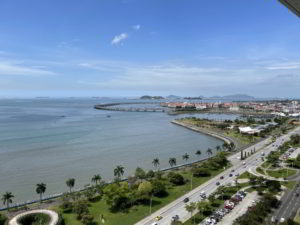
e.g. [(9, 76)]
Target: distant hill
[(173, 97), (148, 97)]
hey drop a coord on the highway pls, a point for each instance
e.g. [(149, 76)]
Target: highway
[(177, 207), (289, 206)]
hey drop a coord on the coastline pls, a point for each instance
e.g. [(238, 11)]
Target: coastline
[(203, 131)]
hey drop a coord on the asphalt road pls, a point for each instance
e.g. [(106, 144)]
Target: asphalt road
[(177, 207)]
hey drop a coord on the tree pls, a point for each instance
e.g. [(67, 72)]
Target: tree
[(140, 173), (218, 148), (203, 206), (198, 153), (172, 162), (156, 162), (7, 199), (221, 189), (209, 151), (185, 157), (119, 171), (3, 219), (70, 183), (96, 178), (144, 189), (200, 172), (159, 188), (40, 189), (191, 208)]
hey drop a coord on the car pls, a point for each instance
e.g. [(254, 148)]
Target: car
[(175, 218), (154, 223), (244, 163), (158, 218), (218, 183), (237, 174), (230, 174), (297, 185), (186, 200), (232, 171), (297, 194), (221, 177)]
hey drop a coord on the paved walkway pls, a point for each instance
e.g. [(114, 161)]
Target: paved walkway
[(53, 215)]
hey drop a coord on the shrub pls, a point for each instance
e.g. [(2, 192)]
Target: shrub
[(3, 219), (175, 178), (200, 172), (159, 188)]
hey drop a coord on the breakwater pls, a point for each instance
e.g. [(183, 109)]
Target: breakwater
[(113, 107)]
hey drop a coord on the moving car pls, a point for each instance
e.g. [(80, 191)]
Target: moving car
[(221, 177), (186, 200), (218, 183), (158, 218), (230, 175), (175, 218)]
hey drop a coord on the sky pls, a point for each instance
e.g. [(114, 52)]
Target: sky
[(127, 48)]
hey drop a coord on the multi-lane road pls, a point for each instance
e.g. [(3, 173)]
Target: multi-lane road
[(177, 207)]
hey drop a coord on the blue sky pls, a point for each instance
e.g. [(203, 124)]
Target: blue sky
[(157, 47)]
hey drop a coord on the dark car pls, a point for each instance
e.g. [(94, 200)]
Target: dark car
[(186, 200), (218, 183), (221, 177), (297, 194), (175, 218), (232, 171), (230, 175)]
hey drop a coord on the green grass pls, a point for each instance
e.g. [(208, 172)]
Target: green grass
[(281, 173), (138, 212), (260, 170), (244, 139), (266, 165), (246, 175), (289, 184)]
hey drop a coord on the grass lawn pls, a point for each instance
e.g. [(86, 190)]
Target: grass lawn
[(281, 173), (138, 212), (260, 170), (266, 165), (289, 184), (244, 139), (246, 175)]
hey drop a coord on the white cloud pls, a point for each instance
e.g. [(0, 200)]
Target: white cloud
[(284, 66), (136, 27), (117, 39), (13, 68)]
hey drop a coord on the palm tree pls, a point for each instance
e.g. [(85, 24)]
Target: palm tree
[(218, 148), (155, 162), (191, 208), (221, 189), (96, 178), (172, 162), (119, 171), (7, 199), (185, 157), (209, 151), (70, 183), (40, 189), (225, 146), (198, 153)]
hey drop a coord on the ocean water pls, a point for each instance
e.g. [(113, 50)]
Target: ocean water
[(51, 140)]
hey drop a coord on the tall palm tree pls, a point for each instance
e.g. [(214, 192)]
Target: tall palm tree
[(185, 157), (191, 208), (70, 183), (156, 162), (7, 199), (119, 171), (40, 189), (96, 178), (198, 153), (218, 148), (172, 162), (209, 151)]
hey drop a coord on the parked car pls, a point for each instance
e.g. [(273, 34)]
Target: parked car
[(175, 218)]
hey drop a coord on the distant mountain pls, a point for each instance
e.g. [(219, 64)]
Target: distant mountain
[(172, 97)]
